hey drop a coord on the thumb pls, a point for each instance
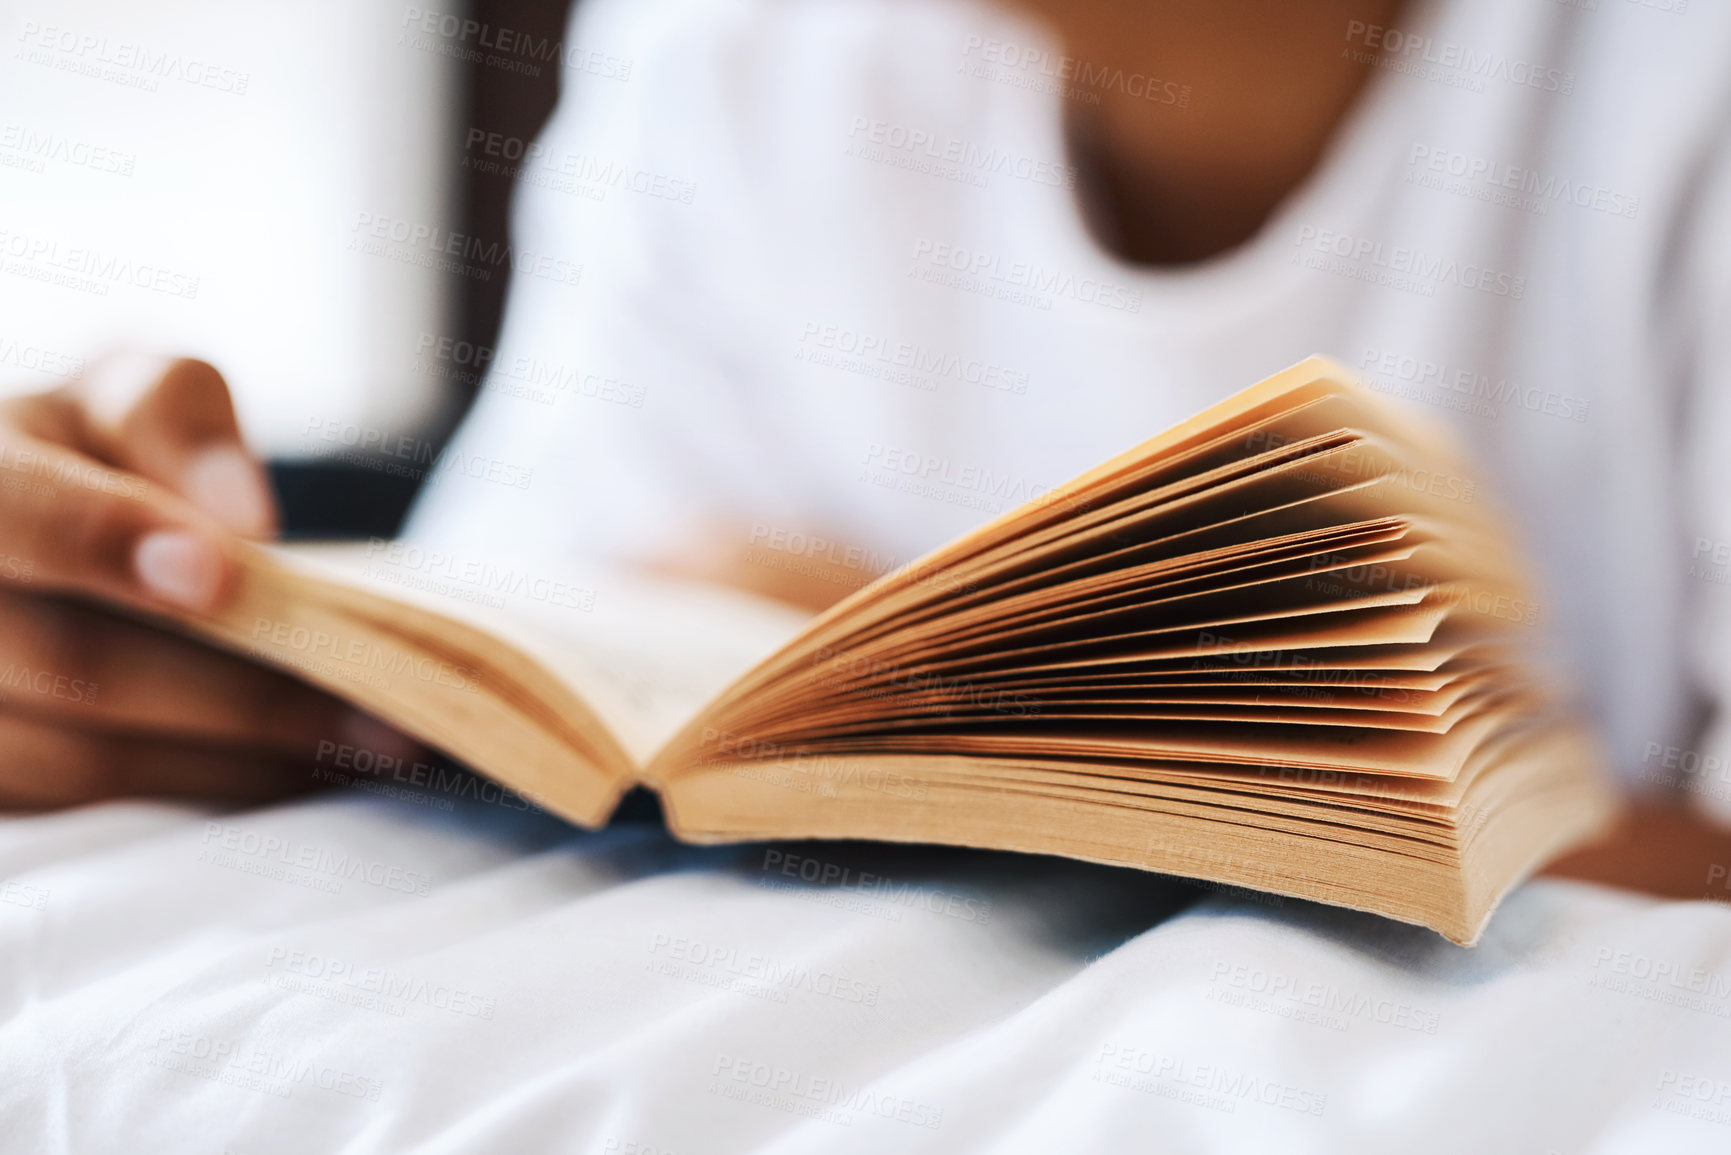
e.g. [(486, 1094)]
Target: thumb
[(172, 420)]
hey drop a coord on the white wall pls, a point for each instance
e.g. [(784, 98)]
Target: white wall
[(188, 175)]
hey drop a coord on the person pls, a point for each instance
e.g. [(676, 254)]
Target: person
[(124, 490), (871, 272)]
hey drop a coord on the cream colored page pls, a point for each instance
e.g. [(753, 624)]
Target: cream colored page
[(646, 653)]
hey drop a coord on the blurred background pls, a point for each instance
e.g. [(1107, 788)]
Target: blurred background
[(178, 179)]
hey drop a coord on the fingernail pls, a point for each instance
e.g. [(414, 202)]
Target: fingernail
[(178, 567), (225, 483)]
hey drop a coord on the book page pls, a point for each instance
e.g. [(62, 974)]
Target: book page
[(646, 653)]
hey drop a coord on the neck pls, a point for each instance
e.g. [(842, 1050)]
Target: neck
[(1190, 174)]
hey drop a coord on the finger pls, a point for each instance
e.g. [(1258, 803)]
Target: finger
[(172, 420), (43, 765), (87, 668), (76, 523)]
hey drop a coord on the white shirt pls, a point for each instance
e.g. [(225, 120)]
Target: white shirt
[(834, 280)]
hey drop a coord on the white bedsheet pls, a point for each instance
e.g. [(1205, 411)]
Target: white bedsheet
[(350, 973)]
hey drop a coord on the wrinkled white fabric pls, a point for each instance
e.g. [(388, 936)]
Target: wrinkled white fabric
[(358, 974)]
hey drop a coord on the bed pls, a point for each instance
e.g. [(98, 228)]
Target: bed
[(402, 970)]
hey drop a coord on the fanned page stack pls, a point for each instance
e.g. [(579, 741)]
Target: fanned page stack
[(1282, 646)]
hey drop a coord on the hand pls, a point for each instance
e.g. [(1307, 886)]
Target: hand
[(126, 488)]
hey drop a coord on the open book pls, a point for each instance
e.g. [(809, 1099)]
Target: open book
[(1282, 645)]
